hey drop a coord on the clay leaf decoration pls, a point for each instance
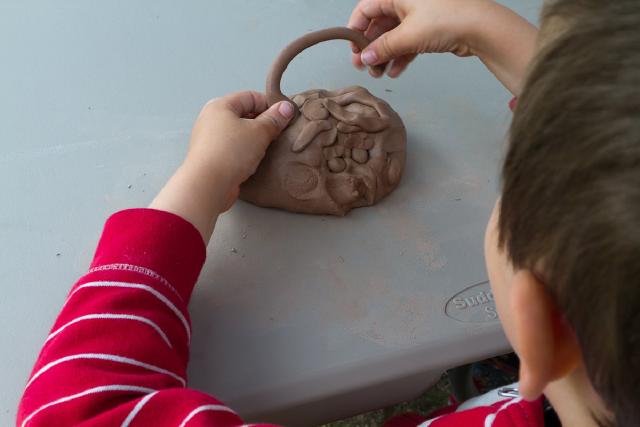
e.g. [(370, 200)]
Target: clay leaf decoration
[(310, 131), (345, 128), (353, 119), (371, 119), (324, 131), (314, 109)]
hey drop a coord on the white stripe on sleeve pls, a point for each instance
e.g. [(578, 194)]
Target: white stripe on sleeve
[(145, 288), (137, 269), (137, 409), (110, 358), (488, 421), (218, 408), (429, 422), (104, 316), (94, 390)]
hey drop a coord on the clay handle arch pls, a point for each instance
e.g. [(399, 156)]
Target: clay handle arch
[(274, 93)]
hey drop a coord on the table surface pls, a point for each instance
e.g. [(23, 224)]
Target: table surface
[(97, 100)]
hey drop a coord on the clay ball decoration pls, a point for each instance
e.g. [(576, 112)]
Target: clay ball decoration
[(345, 149)]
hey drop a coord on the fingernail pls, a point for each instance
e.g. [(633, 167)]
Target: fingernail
[(369, 57), (286, 109)]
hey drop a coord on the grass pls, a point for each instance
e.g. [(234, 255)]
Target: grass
[(434, 398), (487, 375)]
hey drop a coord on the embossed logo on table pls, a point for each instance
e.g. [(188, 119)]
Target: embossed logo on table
[(474, 304)]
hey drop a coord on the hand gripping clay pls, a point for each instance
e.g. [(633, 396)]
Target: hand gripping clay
[(344, 149)]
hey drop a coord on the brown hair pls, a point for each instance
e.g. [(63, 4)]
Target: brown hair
[(570, 208)]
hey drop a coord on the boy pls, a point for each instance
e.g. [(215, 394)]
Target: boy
[(562, 243)]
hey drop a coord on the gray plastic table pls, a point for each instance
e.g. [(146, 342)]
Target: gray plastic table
[(96, 104)]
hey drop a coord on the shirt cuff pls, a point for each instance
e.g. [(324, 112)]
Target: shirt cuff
[(156, 240)]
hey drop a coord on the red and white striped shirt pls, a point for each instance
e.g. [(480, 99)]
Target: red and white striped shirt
[(117, 353)]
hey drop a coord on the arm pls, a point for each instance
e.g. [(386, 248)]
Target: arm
[(117, 353), (507, 46), (401, 29), (225, 150)]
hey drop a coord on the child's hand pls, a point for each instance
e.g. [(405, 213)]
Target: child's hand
[(228, 141), (231, 135), (401, 29)]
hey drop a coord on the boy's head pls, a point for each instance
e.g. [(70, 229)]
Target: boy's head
[(563, 245)]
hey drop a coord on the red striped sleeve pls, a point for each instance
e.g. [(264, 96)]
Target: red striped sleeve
[(507, 412), (117, 353)]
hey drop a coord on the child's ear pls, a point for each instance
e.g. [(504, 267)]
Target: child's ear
[(546, 344)]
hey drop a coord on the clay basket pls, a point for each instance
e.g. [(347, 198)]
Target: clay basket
[(344, 149)]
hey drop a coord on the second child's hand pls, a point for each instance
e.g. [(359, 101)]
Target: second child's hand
[(402, 29)]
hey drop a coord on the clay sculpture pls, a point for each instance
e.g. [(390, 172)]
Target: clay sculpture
[(344, 149)]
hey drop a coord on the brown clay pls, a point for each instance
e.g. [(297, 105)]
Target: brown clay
[(274, 94), (345, 149)]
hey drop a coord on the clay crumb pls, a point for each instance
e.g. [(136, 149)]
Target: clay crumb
[(388, 90), (234, 251), (129, 186), (58, 253)]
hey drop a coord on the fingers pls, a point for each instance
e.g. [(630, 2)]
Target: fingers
[(242, 104), (275, 118), (379, 26), (390, 45), (377, 71), (381, 22), (253, 105), (372, 18), (361, 20), (400, 64), (355, 60), (367, 10)]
